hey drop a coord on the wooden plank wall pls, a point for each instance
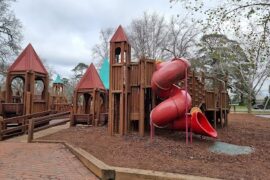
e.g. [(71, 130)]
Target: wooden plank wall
[(138, 78), (117, 81)]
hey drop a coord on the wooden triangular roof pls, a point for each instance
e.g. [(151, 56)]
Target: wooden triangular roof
[(90, 79), (28, 60), (58, 80), (119, 35)]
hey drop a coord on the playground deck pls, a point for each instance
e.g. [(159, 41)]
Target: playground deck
[(170, 153)]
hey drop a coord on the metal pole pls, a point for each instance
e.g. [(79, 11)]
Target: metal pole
[(186, 118)]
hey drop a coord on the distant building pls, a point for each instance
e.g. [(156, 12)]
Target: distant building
[(260, 98)]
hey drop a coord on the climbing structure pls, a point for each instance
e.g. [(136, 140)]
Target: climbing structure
[(130, 98), (26, 85), (89, 99)]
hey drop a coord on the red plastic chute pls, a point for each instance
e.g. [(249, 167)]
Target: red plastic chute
[(171, 112)]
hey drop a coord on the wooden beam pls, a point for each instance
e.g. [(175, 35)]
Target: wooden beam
[(1, 128), (32, 91), (141, 121), (94, 105), (121, 124), (98, 108), (30, 131)]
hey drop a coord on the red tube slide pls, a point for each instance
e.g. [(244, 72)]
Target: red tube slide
[(171, 112)]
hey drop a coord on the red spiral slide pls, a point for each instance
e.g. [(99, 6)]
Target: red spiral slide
[(171, 112)]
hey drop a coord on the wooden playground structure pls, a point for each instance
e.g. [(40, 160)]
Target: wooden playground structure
[(28, 69), (90, 100), (57, 101), (131, 98), (126, 106), (27, 96), (214, 101)]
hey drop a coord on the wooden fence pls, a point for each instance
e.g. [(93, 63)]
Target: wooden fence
[(35, 123), (22, 123)]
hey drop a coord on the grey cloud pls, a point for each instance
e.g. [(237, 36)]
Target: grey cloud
[(63, 31)]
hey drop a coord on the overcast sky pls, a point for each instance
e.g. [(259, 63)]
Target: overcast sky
[(64, 31)]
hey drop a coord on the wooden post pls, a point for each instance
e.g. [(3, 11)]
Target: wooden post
[(94, 106), (121, 124), (72, 120), (98, 108), (8, 89), (141, 120), (24, 123), (225, 99), (126, 113), (215, 104), (75, 101), (110, 111), (221, 107), (28, 103), (1, 127), (32, 91), (30, 131), (46, 91), (194, 96), (111, 114)]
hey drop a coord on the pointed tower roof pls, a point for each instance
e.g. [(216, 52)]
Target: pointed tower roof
[(90, 79), (119, 35), (28, 60), (104, 73), (58, 80)]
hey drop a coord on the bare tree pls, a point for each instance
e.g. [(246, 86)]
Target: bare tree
[(100, 51), (148, 36), (258, 65), (10, 36), (182, 37), (10, 32)]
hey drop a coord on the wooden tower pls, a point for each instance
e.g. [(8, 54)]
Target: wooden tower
[(58, 86), (58, 101), (120, 57), (29, 68)]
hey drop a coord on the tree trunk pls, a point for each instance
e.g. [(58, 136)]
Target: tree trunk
[(249, 101)]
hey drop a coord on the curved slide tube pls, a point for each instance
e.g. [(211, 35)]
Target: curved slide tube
[(171, 112)]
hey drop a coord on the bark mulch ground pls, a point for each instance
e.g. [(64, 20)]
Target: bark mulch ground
[(169, 152)]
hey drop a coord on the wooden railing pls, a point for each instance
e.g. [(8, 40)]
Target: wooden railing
[(22, 122), (24, 118), (82, 118), (62, 107), (12, 108), (35, 123)]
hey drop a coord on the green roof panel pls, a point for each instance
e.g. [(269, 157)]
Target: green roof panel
[(58, 80), (104, 73)]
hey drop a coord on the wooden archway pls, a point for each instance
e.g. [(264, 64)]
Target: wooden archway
[(28, 67)]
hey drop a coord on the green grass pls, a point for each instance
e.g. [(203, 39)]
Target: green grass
[(254, 111)]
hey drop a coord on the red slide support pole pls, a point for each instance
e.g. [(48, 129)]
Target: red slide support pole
[(186, 118)]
